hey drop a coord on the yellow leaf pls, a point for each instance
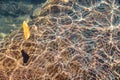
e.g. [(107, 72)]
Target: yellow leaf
[(26, 30)]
